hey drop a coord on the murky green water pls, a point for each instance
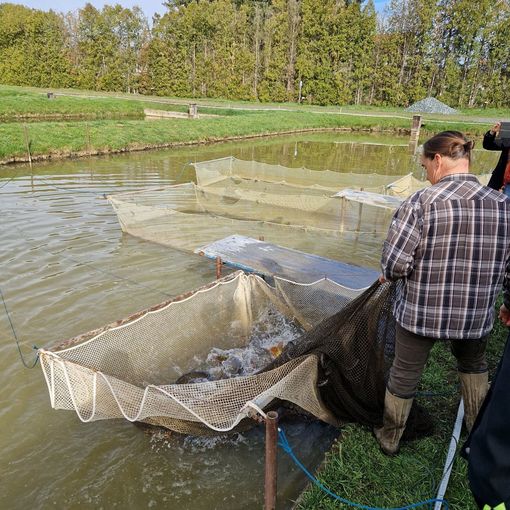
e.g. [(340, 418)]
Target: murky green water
[(67, 268)]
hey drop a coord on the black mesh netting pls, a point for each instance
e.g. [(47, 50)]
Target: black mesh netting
[(355, 347)]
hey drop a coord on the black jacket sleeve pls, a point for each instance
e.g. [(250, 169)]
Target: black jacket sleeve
[(489, 143)]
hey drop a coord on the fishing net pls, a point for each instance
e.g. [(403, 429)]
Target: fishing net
[(293, 207), (204, 362), (218, 170), (258, 200)]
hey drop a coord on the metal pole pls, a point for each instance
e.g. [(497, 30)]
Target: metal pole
[(218, 268), (271, 449)]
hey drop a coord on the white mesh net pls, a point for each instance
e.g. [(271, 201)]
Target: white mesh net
[(259, 200), (191, 363), (217, 170)]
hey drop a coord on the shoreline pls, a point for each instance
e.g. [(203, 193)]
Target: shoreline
[(212, 140)]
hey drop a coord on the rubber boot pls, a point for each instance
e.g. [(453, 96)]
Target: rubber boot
[(474, 387), (396, 412)]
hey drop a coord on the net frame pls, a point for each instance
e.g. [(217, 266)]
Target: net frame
[(96, 394)]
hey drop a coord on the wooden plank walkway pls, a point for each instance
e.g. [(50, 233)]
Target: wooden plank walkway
[(270, 260)]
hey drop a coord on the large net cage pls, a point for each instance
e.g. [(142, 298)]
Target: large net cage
[(259, 200), (203, 362), (218, 170)]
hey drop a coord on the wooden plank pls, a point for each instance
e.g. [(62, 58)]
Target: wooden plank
[(270, 260)]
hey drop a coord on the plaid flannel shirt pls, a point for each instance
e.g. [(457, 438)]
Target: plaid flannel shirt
[(449, 243)]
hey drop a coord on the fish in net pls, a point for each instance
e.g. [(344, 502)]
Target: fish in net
[(201, 363)]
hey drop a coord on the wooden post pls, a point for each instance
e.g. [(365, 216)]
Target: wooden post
[(87, 131), (218, 268), (415, 134), (192, 111), (271, 460), (27, 143), (342, 213), (360, 212)]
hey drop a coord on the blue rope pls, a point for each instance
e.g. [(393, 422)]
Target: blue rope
[(283, 442)]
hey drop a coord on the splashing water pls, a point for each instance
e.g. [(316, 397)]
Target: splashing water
[(270, 333)]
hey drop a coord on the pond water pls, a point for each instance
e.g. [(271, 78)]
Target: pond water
[(67, 268)]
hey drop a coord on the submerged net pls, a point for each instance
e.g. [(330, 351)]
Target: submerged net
[(202, 363)]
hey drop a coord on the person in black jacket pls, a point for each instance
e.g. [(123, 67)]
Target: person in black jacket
[(497, 180), (488, 446)]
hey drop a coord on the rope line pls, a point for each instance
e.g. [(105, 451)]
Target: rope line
[(188, 163), (284, 444), (25, 364), (7, 182)]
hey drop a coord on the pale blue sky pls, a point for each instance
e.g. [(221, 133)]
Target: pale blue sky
[(149, 8)]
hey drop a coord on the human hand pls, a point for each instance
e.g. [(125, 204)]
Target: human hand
[(382, 279), (495, 129), (504, 315)]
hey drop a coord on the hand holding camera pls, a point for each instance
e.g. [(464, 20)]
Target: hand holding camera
[(495, 129)]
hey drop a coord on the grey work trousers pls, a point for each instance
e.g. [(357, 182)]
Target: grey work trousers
[(412, 352)]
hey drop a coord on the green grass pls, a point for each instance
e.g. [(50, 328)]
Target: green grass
[(67, 138), (16, 103), (356, 469), (107, 122)]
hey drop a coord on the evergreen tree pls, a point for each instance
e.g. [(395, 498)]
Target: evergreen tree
[(32, 47), (455, 50)]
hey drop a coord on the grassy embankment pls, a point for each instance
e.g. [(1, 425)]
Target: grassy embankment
[(356, 470), (104, 123)]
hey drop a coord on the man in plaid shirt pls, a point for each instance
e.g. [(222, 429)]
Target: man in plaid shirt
[(447, 246)]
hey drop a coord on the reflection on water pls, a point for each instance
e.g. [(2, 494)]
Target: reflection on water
[(67, 269)]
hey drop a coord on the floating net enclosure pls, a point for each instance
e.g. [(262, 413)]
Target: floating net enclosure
[(257, 200), (201, 363), (217, 170)]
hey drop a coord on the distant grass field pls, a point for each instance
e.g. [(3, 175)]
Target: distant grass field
[(87, 122), (68, 138), (16, 104)]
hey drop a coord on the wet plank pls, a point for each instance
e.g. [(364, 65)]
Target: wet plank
[(270, 260)]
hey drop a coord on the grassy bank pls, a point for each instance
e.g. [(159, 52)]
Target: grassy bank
[(17, 103), (57, 139), (20, 104), (356, 469), (103, 124)]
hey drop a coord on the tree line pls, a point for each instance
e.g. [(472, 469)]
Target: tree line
[(319, 52)]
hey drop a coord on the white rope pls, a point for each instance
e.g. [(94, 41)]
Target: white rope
[(319, 281), (138, 416), (257, 409), (449, 458)]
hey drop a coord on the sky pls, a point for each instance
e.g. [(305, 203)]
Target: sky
[(148, 7)]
